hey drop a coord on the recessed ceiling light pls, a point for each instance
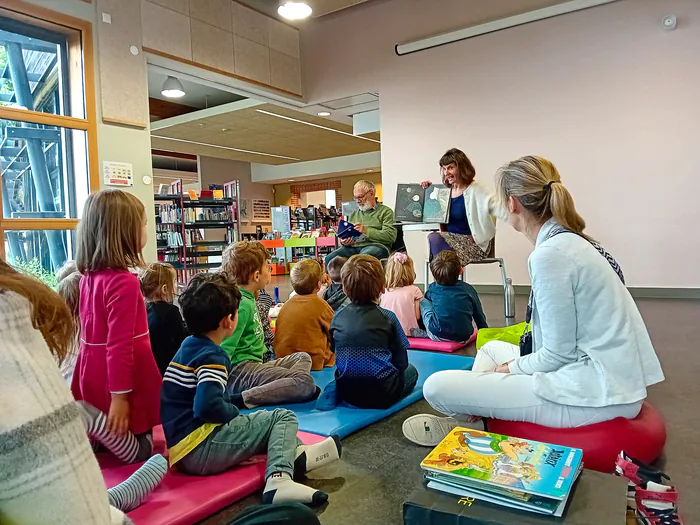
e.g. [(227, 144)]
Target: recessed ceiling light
[(172, 88), (324, 113), (290, 180), (315, 125), (201, 124), (370, 171), (224, 147), (224, 130), (294, 10)]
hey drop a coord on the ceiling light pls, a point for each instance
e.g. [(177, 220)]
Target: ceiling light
[(290, 180), (224, 147), (324, 113), (370, 171), (224, 130), (315, 125), (172, 88), (294, 10)]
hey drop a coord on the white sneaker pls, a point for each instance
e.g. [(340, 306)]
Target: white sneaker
[(427, 430)]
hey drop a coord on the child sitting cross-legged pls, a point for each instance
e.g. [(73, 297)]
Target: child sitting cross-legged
[(334, 294), (205, 433), (402, 296), (253, 383), (370, 345), (304, 322), (451, 307)]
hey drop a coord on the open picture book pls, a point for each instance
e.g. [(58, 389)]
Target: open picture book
[(414, 204)]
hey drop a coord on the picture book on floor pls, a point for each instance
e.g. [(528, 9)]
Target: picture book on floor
[(515, 472), (414, 204)]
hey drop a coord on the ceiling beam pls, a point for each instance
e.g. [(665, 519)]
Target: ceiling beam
[(205, 113), (173, 154)]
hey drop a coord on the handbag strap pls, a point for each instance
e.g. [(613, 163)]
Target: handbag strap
[(611, 260)]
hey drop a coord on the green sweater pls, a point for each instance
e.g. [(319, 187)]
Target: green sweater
[(248, 341), (379, 222)]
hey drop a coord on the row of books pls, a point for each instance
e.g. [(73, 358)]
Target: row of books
[(513, 472), (207, 214), (168, 213), (169, 239)]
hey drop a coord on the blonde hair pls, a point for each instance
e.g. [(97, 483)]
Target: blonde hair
[(243, 259), (109, 234), (68, 268), (50, 314), (536, 184), (305, 276), (154, 277), (399, 271), (363, 279), (69, 290)]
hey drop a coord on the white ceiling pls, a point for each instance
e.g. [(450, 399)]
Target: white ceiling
[(197, 95)]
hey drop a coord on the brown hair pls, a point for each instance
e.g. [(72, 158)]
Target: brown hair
[(243, 259), (536, 184), (154, 277), (445, 267), (109, 234), (465, 169), (363, 279), (399, 271), (64, 271), (50, 314), (305, 276), (69, 290), (335, 267)]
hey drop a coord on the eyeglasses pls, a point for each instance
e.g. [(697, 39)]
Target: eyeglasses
[(361, 197)]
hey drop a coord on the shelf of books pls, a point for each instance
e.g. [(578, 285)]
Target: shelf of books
[(284, 253), (193, 230)]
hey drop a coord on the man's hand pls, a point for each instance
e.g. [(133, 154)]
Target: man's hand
[(347, 242), (118, 417), (361, 228)]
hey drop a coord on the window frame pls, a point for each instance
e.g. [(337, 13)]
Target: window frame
[(81, 94)]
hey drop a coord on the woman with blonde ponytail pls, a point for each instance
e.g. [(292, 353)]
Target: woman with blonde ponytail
[(589, 358)]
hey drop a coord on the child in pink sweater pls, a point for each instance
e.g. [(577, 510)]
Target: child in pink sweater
[(116, 373), (401, 296)]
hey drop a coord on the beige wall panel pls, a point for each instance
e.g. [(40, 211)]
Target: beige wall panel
[(285, 72), (181, 6), (213, 12), (284, 38), (212, 46), (165, 30), (123, 75), (250, 24), (252, 60)]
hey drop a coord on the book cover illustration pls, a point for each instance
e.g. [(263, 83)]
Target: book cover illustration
[(436, 205), (409, 203), (475, 457), (347, 230)]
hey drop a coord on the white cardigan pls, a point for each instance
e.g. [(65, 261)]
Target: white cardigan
[(591, 347), (481, 208)]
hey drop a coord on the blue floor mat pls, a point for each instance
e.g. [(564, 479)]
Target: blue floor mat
[(345, 419)]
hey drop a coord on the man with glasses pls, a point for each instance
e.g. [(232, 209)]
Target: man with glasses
[(375, 220)]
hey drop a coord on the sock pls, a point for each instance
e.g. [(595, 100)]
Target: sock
[(328, 399), (418, 333), (280, 488), (126, 448), (315, 395), (130, 493), (310, 457)]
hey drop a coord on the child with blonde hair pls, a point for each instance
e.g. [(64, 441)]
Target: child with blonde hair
[(116, 373), (165, 326), (401, 296), (69, 290)]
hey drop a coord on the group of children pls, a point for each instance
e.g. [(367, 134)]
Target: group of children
[(138, 364)]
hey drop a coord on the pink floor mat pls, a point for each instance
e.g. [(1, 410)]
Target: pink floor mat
[(439, 346), (184, 500)]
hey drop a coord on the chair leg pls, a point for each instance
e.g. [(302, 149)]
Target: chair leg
[(427, 274)]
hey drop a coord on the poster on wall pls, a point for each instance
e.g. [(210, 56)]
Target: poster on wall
[(117, 173), (261, 210), (245, 210)]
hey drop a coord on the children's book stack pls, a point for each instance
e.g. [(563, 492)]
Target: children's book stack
[(513, 472)]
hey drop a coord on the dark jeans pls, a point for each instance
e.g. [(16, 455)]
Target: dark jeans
[(432, 324), (277, 514), (377, 393), (410, 378), (374, 249)]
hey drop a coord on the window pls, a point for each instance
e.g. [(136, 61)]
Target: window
[(47, 133)]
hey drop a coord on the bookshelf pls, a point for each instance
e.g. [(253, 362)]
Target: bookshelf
[(185, 227)]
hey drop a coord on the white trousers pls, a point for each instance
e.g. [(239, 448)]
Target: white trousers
[(508, 397)]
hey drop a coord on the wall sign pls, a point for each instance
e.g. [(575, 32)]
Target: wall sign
[(261, 210), (117, 173)]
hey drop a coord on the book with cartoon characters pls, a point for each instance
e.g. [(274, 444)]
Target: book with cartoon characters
[(510, 467)]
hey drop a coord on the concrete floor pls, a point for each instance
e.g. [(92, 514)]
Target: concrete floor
[(380, 468)]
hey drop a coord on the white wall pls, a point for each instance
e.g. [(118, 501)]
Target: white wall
[(606, 94)]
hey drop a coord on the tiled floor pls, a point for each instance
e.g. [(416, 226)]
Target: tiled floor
[(380, 468)]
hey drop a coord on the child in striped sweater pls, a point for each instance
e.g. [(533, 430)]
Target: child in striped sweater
[(205, 432)]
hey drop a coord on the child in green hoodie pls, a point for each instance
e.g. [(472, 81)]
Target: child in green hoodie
[(251, 382)]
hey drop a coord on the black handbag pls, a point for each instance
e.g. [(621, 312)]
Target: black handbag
[(526, 338)]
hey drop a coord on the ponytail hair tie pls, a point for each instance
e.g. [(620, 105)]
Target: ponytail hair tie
[(548, 186), (400, 257)]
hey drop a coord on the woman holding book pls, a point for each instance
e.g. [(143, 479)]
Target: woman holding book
[(472, 225), (590, 358)]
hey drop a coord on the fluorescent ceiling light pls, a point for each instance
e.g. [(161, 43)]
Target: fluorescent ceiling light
[(172, 88), (294, 10), (370, 171), (224, 147), (290, 180), (324, 113), (315, 125)]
